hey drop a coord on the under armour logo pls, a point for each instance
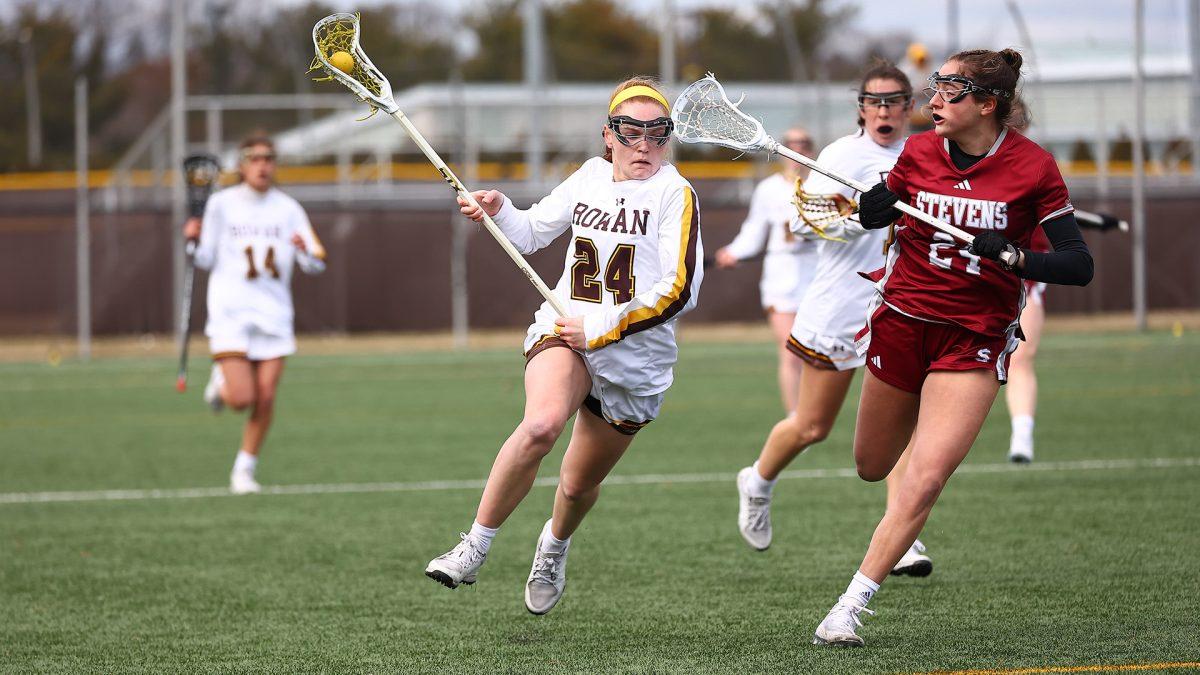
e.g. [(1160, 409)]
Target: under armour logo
[(964, 185), (877, 362), (983, 355), (620, 201)]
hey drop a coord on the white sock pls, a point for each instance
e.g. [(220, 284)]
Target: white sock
[(862, 588), (483, 535), (550, 542), (1022, 428), (759, 485), (245, 462)]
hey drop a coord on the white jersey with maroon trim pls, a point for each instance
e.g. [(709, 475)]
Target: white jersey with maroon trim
[(1013, 190), (631, 267), (789, 261), (834, 307), (246, 242)]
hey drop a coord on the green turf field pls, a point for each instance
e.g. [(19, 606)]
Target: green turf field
[(1048, 566)]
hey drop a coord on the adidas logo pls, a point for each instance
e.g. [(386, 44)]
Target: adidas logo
[(877, 362), (964, 185)]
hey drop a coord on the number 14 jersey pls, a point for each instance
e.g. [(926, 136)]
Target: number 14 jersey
[(632, 266)]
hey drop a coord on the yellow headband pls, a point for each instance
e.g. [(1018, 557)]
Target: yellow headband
[(637, 90)]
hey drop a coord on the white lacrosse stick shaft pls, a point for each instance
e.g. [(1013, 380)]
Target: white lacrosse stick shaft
[(488, 223), (383, 100), (1005, 257)]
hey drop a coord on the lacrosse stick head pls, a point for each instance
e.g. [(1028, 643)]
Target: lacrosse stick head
[(338, 33), (200, 176), (823, 216), (704, 114)]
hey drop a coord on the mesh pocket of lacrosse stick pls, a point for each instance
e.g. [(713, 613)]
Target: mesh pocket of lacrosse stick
[(822, 213), (704, 114), (339, 33)]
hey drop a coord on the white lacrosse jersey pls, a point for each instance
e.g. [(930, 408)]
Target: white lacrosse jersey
[(246, 243), (631, 267), (835, 303), (789, 261)]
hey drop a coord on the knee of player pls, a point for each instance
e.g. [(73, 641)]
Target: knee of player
[(542, 431), (239, 400), (265, 400), (574, 489), (808, 430), (870, 471), (921, 491)]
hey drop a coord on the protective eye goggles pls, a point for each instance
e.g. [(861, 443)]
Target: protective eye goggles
[(954, 88), (870, 99), (630, 131)]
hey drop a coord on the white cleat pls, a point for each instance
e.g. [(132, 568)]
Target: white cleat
[(1020, 450), (212, 390), (241, 482), (457, 566), (547, 578), (840, 625), (754, 514), (914, 563)]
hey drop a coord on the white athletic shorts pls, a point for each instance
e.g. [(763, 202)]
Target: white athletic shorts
[(828, 352), (784, 278), (248, 341), (623, 410)]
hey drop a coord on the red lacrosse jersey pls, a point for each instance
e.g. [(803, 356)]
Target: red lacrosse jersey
[(930, 275)]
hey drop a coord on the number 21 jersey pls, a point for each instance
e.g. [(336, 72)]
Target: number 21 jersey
[(1012, 190)]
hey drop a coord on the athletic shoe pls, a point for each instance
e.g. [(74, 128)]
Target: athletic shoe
[(1020, 450), (914, 563), (838, 628), (754, 513), (212, 391), (547, 578), (459, 565), (241, 482)]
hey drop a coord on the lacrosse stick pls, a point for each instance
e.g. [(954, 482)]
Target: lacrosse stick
[(703, 114), (200, 174), (1100, 221), (821, 213), (335, 39)]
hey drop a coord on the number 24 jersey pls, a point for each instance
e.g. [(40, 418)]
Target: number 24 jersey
[(930, 275), (632, 266)]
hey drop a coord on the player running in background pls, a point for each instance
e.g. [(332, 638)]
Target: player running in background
[(1020, 394), (250, 237), (945, 318), (631, 270), (789, 260), (835, 303)]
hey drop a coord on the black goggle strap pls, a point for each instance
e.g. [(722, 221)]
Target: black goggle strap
[(664, 123), (883, 98), (968, 87)]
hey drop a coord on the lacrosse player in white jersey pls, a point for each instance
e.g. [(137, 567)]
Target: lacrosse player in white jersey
[(834, 307), (789, 260), (631, 270), (250, 237)]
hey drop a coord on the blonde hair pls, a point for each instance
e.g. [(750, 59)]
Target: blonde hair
[(635, 81)]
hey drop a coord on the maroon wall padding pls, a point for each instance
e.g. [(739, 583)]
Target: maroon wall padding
[(389, 270)]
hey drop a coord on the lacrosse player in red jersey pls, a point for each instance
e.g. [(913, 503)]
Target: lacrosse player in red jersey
[(631, 270), (789, 261), (250, 237), (944, 319), (834, 306)]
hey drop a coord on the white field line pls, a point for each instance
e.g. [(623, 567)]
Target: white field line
[(643, 479)]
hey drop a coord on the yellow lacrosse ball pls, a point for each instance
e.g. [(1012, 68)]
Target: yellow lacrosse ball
[(342, 61)]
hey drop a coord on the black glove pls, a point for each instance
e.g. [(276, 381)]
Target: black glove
[(990, 245), (875, 208)]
